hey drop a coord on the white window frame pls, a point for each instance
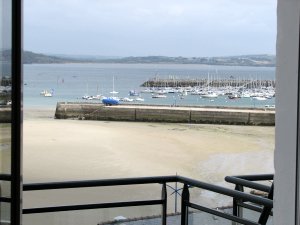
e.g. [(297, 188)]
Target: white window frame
[(286, 191)]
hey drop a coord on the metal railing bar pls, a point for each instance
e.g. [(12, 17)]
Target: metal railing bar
[(257, 177), (226, 191), (252, 207), (246, 183), (264, 216), (221, 214), (97, 183), (91, 206), (5, 177), (164, 198), (5, 199)]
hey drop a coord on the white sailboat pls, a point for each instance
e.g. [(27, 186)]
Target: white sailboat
[(113, 91), (209, 93), (47, 93), (139, 99)]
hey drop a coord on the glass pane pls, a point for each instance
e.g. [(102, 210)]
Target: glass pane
[(254, 216), (5, 104), (202, 218), (5, 212), (5, 85), (127, 215), (190, 75)]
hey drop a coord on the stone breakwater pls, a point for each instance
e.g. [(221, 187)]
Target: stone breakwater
[(5, 114), (148, 113), (245, 83)]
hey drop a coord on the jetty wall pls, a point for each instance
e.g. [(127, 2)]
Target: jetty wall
[(246, 83), (141, 113), (5, 114)]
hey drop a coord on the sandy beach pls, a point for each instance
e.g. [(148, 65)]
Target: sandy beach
[(60, 150)]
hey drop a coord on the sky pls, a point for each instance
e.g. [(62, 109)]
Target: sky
[(188, 28)]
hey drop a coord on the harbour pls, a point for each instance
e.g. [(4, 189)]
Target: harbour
[(70, 82), (213, 82)]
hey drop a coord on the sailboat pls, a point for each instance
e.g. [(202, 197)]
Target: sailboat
[(97, 96), (113, 100), (209, 93), (113, 91), (47, 93), (86, 96)]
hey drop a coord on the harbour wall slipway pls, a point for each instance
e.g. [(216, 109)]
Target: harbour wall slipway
[(154, 113)]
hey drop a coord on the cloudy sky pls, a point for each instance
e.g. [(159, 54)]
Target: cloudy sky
[(150, 27)]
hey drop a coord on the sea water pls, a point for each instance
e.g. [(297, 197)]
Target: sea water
[(69, 82)]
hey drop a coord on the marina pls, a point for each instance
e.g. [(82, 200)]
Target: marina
[(176, 85)]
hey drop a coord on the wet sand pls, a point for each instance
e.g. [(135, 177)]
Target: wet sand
[(60, 150)]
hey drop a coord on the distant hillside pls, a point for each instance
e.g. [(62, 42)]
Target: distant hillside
[(31, 57), (245, 60)]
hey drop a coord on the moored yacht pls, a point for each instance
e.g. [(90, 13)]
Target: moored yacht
[(209, 94)]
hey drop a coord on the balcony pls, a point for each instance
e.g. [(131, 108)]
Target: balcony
[(243, 209)]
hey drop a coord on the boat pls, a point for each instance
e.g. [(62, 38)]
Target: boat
[(139, 99), (260, 98), (97, 97), (47, 93), (160, 92), (43, 92), (270, 106), (110, 101), (245, 95), (113, 91), (148, 90), (234, 96), (126, 99), (86, 97), (159, 96), (133, 93), (209, 94)]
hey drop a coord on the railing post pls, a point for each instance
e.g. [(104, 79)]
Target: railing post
[(236, 209), (0, 202), (263, 219), (185, 198), (164, 205)]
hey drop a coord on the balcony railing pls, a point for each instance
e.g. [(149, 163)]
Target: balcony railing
[(263, 205)]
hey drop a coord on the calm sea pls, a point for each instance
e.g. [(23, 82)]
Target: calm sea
[(71, 81)]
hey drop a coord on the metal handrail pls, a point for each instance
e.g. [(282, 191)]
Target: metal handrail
[(5, 177), (256, 177), (91, 206), (222, 214), (242, 181), (247, 183), (226, 191), (99, 183), (185, 201), (148, 180), (5, 199)]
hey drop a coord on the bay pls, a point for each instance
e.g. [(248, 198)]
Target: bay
[(69, 82)]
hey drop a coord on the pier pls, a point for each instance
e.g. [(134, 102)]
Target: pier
[(155, 113), (174, 82)]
